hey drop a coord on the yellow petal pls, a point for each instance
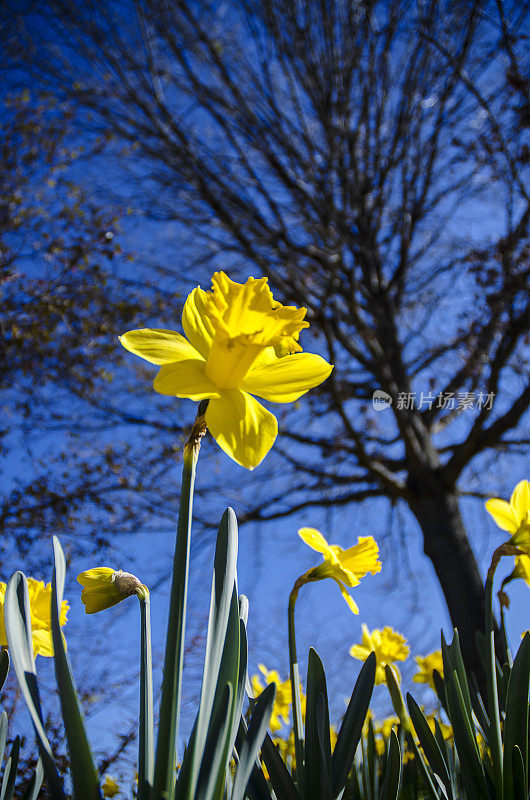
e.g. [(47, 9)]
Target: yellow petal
[(286, 379), (354, 608), (101, 598), (520, 501), (339, 573), (158, 346), (502, 513), (359, 651), (197, 325), (314, 540), (242, 427), (96, 576), (185, 379), (380, 676), (42, 643)]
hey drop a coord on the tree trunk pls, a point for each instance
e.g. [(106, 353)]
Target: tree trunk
[(447, 546)]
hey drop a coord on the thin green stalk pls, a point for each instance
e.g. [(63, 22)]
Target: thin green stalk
[(146, 745), (164, 773), (295, 690), (491, 676)]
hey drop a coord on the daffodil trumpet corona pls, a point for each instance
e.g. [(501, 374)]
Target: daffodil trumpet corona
[(239, 342)]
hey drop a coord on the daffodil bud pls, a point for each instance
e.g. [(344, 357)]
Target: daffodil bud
[(104, 587)]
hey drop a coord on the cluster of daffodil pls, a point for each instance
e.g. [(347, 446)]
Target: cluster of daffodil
[(240, 344), (381, 731)]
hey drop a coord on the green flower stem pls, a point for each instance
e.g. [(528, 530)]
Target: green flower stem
[(398, 702), (164, 773), (146, 732), (295, 688), (495, 742)]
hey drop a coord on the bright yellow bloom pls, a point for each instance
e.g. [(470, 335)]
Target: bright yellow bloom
[(282, 702), (40, 598), (235, 335), (388, 646), (514, 516), (104, 587), (109, 787), (427, 665), (345, 567)]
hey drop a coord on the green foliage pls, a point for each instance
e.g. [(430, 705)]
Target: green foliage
[(229, 755)]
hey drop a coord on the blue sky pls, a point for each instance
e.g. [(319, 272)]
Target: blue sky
[(405, 595)]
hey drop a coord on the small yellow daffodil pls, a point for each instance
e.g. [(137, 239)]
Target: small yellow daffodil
[(427, 665), (282, 702), (235, 336), (40, 597), (388, 646), (109, 787), (104, 587), (345, 567), (514, 517)]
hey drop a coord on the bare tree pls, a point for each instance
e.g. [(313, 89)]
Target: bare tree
[(368, 157)]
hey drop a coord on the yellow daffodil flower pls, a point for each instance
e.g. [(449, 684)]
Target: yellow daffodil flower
[(427, 665), (40, 597), (345, 567), (514, 517), (388, 646), (109, 787), (235, 335), (104, 587), (282, 702)]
